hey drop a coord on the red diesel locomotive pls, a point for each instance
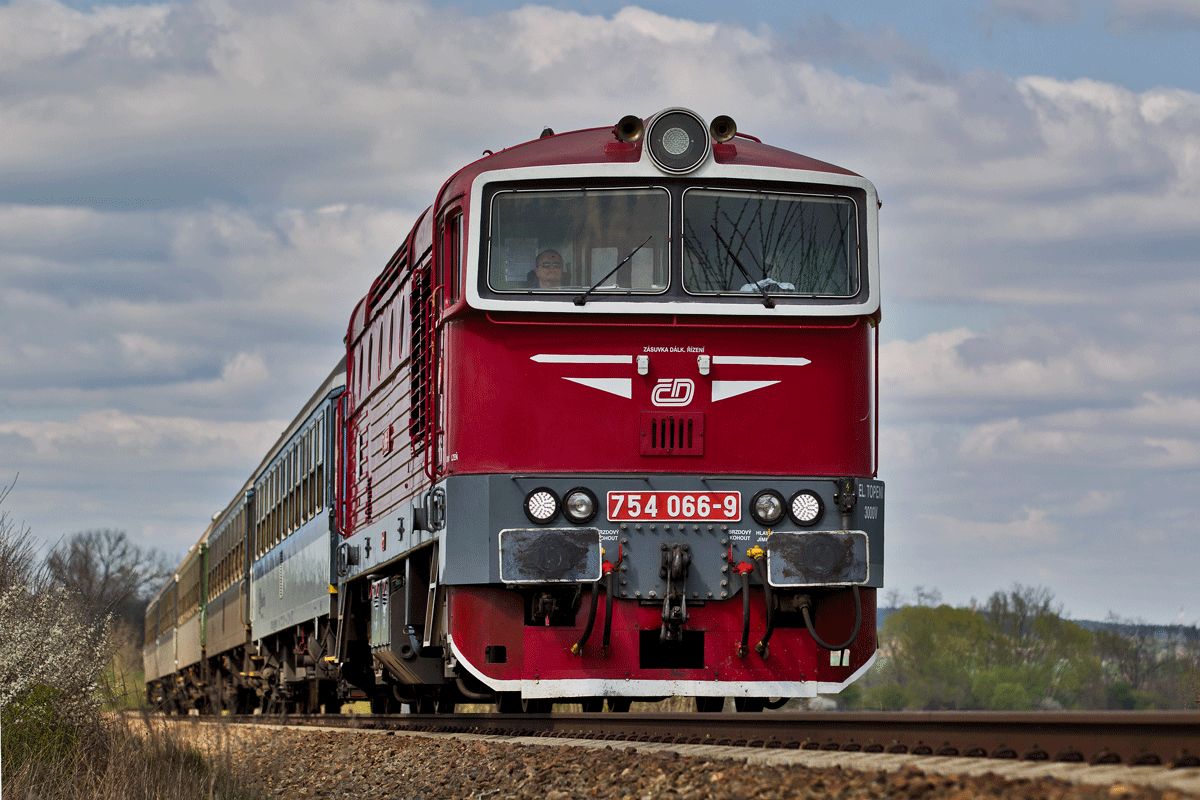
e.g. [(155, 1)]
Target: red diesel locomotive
[(610, 431)]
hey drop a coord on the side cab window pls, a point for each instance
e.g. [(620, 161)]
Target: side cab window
[(450, 248)]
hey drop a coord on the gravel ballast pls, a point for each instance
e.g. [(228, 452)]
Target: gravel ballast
[(308, 763)]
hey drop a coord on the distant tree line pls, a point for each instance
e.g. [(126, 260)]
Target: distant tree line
[(108, 579), (67, 620), (1016, 651)]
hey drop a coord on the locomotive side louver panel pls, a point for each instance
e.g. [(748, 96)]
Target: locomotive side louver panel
[(672, 434)]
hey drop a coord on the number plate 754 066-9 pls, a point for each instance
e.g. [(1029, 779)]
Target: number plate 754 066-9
[(673, 506)]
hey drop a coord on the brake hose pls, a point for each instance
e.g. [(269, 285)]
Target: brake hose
[(853, 634)]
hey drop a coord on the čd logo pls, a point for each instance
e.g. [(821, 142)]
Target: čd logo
[(673, 393)]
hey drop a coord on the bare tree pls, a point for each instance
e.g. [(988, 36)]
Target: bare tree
[(931, 597), (18, 555), (1129, 648), (107, 572)]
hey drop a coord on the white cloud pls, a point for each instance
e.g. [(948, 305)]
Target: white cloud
[(960, 363), (1031, 526), (1173, 412), (1092, 503), (1157, 15), (136, 444), (1040, 12), (1085, 439)]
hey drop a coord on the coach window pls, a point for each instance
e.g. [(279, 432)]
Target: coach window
[(289, 491), (784, 244), (306, 510), (297, 483), (280, 498), (269, 518), (314, 443), (320, 464), (302, 478), (294, 489), (293, 504), (285, 494), (277, 504), (592, 230), (264, 510)]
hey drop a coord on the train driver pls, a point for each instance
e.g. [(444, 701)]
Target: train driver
[(548, 271)]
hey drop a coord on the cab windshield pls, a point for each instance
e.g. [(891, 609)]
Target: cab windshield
[(565, 241), (781, 244)]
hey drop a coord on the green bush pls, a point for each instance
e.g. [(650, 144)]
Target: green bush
[(32, 729)]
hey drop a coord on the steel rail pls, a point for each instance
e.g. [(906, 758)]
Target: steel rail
[(1169, 738)]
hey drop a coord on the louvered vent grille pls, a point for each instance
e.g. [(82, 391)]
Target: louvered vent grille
[(672, 434)]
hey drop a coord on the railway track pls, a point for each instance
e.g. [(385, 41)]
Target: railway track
[(1132, 738)]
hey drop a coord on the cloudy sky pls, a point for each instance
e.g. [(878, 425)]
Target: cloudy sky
[(193, 195)]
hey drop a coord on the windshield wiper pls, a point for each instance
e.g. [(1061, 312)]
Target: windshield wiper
[(581, 299), (767, 301)]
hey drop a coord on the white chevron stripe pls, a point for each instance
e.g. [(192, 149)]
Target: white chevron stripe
[(579, 358), (723, 390), (621, 387), (779, 361)]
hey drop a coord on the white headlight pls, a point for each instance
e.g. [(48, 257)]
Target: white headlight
[(806, 508), (767, 507), (580, 505), (541, 506)]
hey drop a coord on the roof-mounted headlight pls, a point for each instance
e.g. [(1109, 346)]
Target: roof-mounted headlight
[(678, 140)]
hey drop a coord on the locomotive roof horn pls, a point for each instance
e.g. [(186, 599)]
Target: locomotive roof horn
[(723, 128), (629, 129)]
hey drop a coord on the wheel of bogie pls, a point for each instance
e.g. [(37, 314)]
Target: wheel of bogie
[(381, 704), (750, 704), (308, 698), (620, 705), (246, 700), (537, 705), (592, 705), (710, 705), (330, 702), (216, 695), (508, 703)]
